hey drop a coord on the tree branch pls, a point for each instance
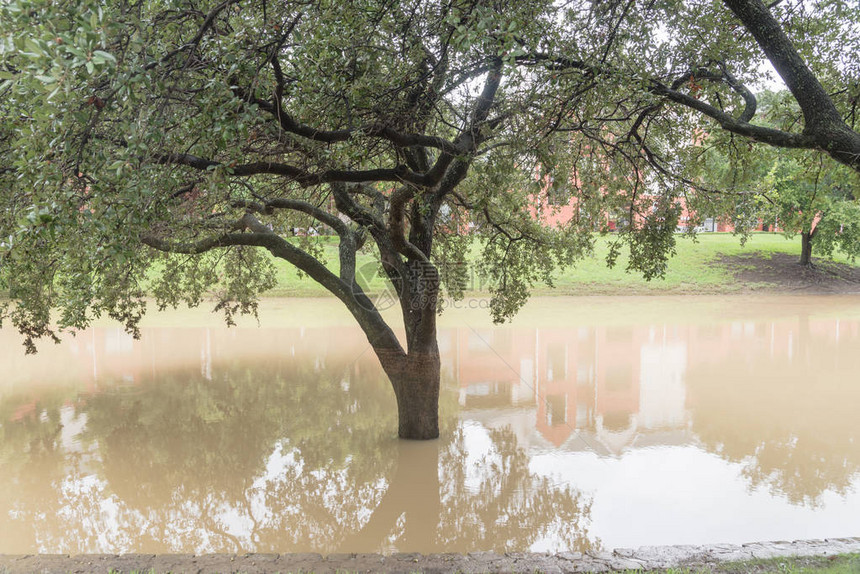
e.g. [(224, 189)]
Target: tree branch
[(358, 213), (208, 22), (398, 138), (378, 333), (822, 120), (400, 173), (769, 136), (726, 77), (825, 129), (397, 224)]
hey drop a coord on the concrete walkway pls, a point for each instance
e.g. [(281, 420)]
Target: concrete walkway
[(644, 558)]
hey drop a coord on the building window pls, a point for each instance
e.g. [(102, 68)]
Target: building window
[(558, 191), (556, 410)]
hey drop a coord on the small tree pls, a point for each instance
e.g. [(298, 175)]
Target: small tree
[(816, 201), (800, 192)]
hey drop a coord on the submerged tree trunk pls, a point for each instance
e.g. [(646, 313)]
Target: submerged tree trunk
[(806, 248), (417, 391), (415, 377)]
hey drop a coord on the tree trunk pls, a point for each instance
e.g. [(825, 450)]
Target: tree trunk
[(415, 377), (415, 373), (806, 249), (416, 386)]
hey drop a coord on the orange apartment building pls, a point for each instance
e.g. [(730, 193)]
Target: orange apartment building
[(554, 207)]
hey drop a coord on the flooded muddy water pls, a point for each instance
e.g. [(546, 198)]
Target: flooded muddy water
[(587, 423)]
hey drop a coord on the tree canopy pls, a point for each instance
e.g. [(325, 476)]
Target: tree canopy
[(795, 191), (164, 147)]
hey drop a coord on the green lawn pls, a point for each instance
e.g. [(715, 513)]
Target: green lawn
[(693, 269), (838, 564)]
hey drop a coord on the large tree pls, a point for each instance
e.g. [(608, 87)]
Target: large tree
[(165, 147)]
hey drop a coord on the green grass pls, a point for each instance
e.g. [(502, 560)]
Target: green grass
[(291, 283), (693, 269), (838, 564)]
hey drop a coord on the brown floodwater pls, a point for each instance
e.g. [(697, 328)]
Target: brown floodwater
[(587, 423)]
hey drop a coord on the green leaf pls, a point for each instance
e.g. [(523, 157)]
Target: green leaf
[(104, 56)]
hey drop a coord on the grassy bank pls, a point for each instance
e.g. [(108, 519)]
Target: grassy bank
[(695, 268), (838, 564), (704, 267)]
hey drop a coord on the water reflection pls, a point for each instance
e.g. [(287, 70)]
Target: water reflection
[(778, 396), (796, 389), (267, 452), (200, 440)]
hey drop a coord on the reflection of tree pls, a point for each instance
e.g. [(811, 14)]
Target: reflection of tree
[(216, 430), (268, 456), (793, 430), (407, 516), (510, 507), (31, 461), (207, 442), (440, 501), (177, 458)]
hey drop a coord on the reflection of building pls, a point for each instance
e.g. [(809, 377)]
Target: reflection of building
[(603, 387), (611, 388), (495, 367), (587, 380), (114, 354), (663, 364)]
